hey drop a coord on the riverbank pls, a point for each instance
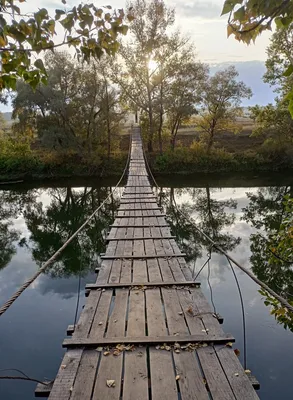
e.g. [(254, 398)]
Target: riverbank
[(182, 161)]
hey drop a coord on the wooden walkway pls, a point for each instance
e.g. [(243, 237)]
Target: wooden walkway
[(146, 331)]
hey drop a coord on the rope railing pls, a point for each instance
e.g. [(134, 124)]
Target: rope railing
[(50, 261)]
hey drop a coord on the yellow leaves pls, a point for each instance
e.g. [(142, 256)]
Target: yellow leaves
[(3, 41), (230, 30), (110, 383), (230, 344), (177, 377)]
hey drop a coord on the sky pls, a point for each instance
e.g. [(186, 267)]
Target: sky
[(200, 19)]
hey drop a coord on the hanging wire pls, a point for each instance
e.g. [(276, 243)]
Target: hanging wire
[(78, 289), (210, 286), (209, 257), (25, 377), (243, 315)]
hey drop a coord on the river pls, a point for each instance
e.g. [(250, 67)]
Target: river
[(239, 212)]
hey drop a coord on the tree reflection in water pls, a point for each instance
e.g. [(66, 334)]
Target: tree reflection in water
[(51, 223), (269, 212)]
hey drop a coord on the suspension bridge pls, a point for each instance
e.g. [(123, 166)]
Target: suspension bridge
[(146, 332)]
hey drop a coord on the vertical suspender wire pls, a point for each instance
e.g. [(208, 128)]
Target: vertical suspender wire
[(243, 315)]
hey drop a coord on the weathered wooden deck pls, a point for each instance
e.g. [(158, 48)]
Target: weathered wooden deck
[(146, 331)]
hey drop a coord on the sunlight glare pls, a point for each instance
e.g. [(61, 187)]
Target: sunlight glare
[(153, 65)]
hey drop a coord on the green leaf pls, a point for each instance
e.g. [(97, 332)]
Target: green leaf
[(290, 107), (288, 71), (40, 65), (124, 29), (229, 6), (58, 14), (240, 14)]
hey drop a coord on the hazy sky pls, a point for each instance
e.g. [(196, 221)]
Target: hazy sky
[(201, 20)]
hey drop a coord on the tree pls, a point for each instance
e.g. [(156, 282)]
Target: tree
[(91, 31), (248, 19), (3, 125), (50, 226), (79, 108), (148, 34), (181, 78), (275, 123), (270, 212), (220, 103)]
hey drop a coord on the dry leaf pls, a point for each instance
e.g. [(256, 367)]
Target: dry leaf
[(180, 313), (71, 389), (110, 383), (63, 366), (237, 352), (99, 348), (230, 344), (177, 351), (247, 371), (177, 377), (100, 323), (236, 374), (190, 310), (116, 353), (106, 353)]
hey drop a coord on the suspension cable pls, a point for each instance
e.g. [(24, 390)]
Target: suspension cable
[(28, 282), (243, 314), (260, 283)]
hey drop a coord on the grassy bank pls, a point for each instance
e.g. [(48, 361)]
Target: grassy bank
[(23, 163), (191, 160), (58, 165)]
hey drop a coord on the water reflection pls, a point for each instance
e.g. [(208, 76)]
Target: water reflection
[(34, 222), (265, 212)]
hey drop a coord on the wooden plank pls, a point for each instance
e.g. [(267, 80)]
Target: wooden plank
[(155, 316), (136, 314), (139, 271), (66, 375), (44, 389), (116, 323), (110, 369), (126, 271), (236, 376), (190, 310), (135, 376), (191, 382), (174, 313), (115, 272), (142, 214), (84, 382), (114, 257), (86, 318), (89, 342), (215, 377), (95, 286), (165, 270), (163, 382), (101, 316), (154, 271)]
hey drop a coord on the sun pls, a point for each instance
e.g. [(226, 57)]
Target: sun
[(153, 65)]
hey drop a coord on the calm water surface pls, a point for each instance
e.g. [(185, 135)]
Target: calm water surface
[(35, 221)]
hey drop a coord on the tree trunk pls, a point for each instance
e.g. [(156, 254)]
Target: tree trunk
[(210, 142), (108, 123), (150, 112), (161, 120)]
